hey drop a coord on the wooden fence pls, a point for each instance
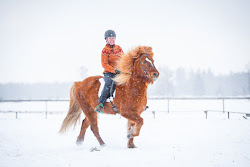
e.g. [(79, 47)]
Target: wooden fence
[(168, 110)]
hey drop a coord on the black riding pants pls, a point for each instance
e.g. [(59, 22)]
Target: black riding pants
[(108, 88)]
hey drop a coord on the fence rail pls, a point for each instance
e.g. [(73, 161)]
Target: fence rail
[(149, 98), (169, 99)]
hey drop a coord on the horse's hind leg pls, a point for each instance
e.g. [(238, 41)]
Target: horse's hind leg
[(85, 125), (94, 127), (91, 116)]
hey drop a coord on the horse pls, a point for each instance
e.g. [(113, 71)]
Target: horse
[(137, 72)]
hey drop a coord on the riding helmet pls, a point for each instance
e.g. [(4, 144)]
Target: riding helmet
[(109, 33)]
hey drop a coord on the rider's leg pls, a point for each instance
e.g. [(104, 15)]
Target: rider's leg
[(105, 92), (112, 89)]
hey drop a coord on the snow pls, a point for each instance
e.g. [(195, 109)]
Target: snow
[(168, 140)]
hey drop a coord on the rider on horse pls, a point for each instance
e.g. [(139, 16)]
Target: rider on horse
[(110, 54)]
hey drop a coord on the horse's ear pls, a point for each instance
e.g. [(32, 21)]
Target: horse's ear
[(140, 50), (149, 48)]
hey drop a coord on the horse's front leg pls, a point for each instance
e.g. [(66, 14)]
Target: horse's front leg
[(130, 140), (135, 123)]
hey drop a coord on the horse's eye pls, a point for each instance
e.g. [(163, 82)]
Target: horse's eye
[(144, 61)]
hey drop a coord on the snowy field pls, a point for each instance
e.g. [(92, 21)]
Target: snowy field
[(167, 140), (174, 139)]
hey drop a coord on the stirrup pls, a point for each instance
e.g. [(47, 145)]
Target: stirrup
[(114, 107), (99, 106)]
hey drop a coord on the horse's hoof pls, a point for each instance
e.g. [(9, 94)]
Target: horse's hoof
[(132, 146), (79, 142)]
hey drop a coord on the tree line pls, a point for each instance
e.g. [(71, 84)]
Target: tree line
[(171, 83), (182, 82)]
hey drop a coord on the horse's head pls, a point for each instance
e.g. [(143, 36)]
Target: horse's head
[(137, 62), (144, 67)]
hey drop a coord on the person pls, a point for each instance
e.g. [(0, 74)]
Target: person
[(110, 54)]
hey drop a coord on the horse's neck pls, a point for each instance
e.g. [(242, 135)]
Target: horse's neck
[(137, 87)]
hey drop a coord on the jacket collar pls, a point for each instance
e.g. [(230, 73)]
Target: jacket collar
[(110, 46)]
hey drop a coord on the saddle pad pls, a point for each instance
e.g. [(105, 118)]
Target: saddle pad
[(101, 80)]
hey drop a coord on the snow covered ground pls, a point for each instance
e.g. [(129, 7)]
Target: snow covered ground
[(182, 139)]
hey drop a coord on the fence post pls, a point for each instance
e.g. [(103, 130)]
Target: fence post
[(46, 111), (223, 105), (153, 112), (168, 105), (16, 115), (205, 113)]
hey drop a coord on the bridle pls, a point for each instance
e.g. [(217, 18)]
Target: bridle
[(148, 75), (142, 65)]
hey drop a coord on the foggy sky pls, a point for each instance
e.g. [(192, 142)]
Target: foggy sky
[(49, 41)]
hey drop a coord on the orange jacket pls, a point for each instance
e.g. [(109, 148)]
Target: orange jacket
[(110, 55)]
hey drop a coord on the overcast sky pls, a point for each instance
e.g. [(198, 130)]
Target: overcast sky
[(49, 41)]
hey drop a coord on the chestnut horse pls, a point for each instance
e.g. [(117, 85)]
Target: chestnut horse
[(137, 72)]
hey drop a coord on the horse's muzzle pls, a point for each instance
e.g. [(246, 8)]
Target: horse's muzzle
[(155, 76)]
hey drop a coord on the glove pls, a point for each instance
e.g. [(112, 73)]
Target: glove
[(117, 71)]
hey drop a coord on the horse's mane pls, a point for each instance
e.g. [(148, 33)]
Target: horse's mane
[(126, 62)]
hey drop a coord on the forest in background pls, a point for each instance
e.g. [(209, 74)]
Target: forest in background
[(171, 83)]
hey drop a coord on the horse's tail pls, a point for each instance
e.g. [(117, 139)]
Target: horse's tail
[(74, 112)]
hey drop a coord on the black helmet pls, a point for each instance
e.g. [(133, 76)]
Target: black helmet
[(109, 33)]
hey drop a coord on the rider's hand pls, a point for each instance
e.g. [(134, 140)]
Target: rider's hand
[(117, 71)]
